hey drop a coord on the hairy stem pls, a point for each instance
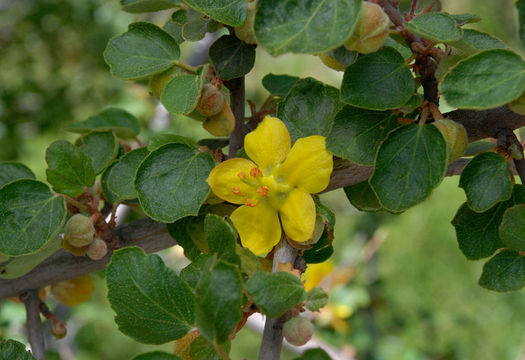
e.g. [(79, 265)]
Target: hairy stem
[(237, 98), (34, 326)]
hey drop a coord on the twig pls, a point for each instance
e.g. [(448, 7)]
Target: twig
[(273, 328), (413, 8), (237, 96), (34, 326)]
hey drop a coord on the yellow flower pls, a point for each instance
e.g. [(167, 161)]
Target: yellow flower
[(315, 273), (277, 184)]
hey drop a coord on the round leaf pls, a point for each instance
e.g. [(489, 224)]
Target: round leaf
[(10, 171), (30, 215), (120, 121), (100, 147), (363, 197), (14, 350), (181, 94), (279, 85), (231, 58), (512, 228), (229, 12), (378, 81), (435, 26), (504, 272)]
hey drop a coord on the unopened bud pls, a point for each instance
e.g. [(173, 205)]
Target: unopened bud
[(97, 250), (246, 32), (455, 136), (211, 101), (371, 30), (79, 231), (58, 328), (73, 292), (298, 330)]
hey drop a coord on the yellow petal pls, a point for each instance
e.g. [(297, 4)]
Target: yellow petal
[(269, 144), (258, 227), (225, 182), (308, 165), (298, 215)]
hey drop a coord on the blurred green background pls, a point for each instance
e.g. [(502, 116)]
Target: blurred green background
[(412, 294)]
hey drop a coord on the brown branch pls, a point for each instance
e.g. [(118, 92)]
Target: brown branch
[(35, 334), (237, 98)]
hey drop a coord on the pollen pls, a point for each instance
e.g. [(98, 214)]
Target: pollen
[(237, 191), (254, 172), (262, 190), (251, 202)]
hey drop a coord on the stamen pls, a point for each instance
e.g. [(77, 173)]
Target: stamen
[(255, 172), (263, 190), (237, 191), (242, 175), (251, 202)]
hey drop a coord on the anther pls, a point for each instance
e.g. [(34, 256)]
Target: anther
[(242, 175), (262, 190), (237, 191), (254, 172), (251, 202)]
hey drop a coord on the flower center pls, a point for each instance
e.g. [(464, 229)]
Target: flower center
[(266, 188)]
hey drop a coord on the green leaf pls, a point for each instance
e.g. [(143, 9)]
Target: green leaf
[(485, 80), (202, 349), (181, 94), (229, 12), (378, 81), (512, 228), (231, 58), (343, 56), (275, 293), (320, 251), (250, 263), (474, 41), (397, 42), (21, 265), (363, 197), (14, 350), (309, 108), (175, 30), (478, 147), (463, 19), (314, 354), (219, 301), (30, 215), (316, 298), (120, 177), (196, 27), (357, 133), (504, 272), (279, 85), (309, 26), (142, 6), (120, 121), (520, 6), (171, 182), (100, 147), (486, 180), (153, 305), (221, 238), (156, 355), (162, 139), (192, 273), (10, 171), (410, 163), (435, 26), (189, 233), (69, 169), (144, 50)]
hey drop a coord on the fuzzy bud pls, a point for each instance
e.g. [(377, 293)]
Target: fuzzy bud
[(58, 328), (211, 101), (97, 250), (79, 231), (73, 292), (298, 330), (455, 136), (371, 30), (245, 32)]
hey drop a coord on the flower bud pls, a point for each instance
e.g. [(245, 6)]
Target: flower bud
[(79, 231), (73, 292), (371, 30), (58, 328), (211, 101), (245, 32), (455, 136), (221, 124), (97, 250), (183, 346), (158, 82), (331, 62), (298, 330)]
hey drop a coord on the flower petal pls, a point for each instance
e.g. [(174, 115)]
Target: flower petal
[(258, 227), (269, 144), (225, 182), (308, 165), (298, 215)]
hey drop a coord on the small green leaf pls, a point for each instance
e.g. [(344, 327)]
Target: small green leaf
[(250, 263), (357, 133), (520, 6), (219, 301), (120, 121), (410, 163), (189, 233), (378, 81), (486, 180), (463, 19), (192, 273), (153, 305), (162, 139), (221, 238), (120, 177), (343, 56), (69, 170), (100, 147), (10, 171), (474, 41), (144, 50), (309, 108), (231, 58), (171, 182), (504, 272), (142, 6), (485, 80), (229, 12), (181, 94), (512, 228), (279, 85), (30, 215), (14, 350), (320, 251), (479, 147), (363, 197), (309, 26), (175, 30), (275, 293), (314, 354), (435, 26), (156, 355), (202, 349), (316, 298)]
